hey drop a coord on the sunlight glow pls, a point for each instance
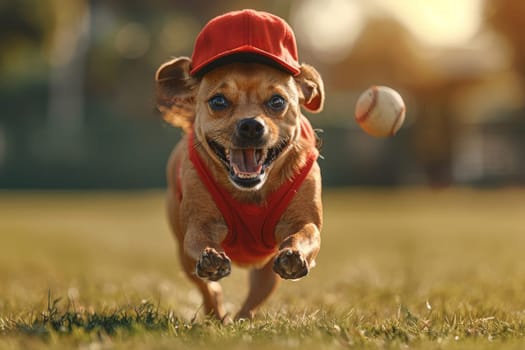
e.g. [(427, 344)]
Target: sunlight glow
[(438, 22), (330, 28)]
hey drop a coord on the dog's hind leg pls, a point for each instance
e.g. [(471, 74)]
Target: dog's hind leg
[(263, 282)]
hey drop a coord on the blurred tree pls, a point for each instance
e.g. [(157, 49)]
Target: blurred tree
[(24, 30), (67, 57), (507, 17)]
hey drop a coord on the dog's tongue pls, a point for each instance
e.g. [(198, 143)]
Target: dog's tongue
[(244, 161)]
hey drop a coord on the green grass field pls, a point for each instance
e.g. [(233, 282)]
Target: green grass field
[(398, 269)]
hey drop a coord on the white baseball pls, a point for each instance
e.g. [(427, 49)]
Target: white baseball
[(380, 111)]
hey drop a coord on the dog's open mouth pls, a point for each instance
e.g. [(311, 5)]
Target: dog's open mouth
[(247, 166)]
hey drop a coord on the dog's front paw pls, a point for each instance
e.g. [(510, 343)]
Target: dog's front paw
[(213, 265), (290, 264)]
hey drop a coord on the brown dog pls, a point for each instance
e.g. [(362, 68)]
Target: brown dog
[(244, 184)]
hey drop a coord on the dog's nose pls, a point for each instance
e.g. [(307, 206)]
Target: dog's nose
[(250, 128)]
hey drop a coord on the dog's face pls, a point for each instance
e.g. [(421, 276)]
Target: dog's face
[(248, 115), (245, 115)]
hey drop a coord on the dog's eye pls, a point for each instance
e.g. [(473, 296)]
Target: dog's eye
[(218, 103), (277, 103)]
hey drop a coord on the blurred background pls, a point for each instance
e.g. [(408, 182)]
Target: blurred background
[(77, 107)]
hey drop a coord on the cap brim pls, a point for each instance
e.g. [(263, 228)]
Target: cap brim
[(267, 58)]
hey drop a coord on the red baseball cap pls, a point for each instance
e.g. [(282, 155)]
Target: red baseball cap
[(255, 33)]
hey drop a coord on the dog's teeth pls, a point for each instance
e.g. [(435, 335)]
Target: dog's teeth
[(243, 175), (260, 155), (246, 176)]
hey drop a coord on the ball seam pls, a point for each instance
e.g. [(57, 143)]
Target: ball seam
[(396, 121), (366, 114)]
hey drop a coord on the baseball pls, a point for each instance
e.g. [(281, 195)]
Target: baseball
[(380, 111)]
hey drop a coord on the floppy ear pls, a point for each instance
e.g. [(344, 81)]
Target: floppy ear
[(175, 90), (311, 88)]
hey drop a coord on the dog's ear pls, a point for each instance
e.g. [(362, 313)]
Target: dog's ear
[(175, 90), (311, 88)]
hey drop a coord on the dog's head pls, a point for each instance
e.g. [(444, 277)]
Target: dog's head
[(241, 93), (246, 116)]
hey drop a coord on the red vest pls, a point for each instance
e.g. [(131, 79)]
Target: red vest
[(251, 227)]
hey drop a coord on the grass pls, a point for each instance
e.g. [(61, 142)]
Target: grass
[(398, 269)]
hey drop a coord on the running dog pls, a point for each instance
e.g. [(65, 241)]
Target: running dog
[(244, 186)]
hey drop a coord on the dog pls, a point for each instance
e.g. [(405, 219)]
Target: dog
[(244, 186)]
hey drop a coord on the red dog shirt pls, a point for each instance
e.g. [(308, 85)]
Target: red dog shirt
[(251, 227)]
